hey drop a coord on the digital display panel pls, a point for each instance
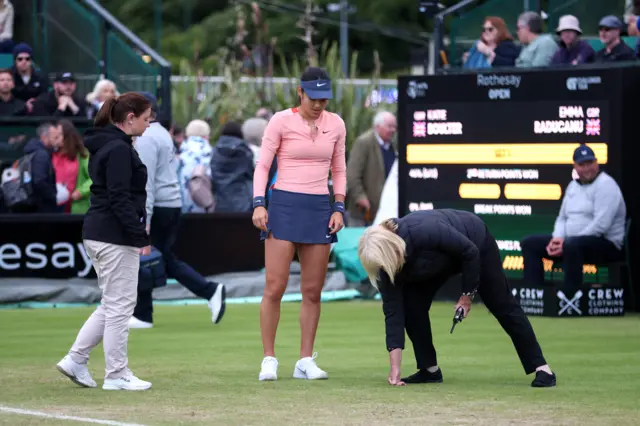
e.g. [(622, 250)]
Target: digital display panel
[(501, 149)]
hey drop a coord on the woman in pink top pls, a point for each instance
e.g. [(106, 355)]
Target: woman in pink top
[(308, 142)]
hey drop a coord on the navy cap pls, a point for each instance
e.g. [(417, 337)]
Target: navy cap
[(64, 77), (22, 48), (611, 22), (152, 100), (317, 89), (583, 153)]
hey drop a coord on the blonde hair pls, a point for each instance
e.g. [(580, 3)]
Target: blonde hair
[(101, 84), (198, 128), (381, 248)]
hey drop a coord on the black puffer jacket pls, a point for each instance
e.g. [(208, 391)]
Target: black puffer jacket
[(232, 175), (43, 177), (440, 244), (117, 214)]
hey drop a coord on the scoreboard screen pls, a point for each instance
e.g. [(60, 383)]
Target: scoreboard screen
[(501, 145)]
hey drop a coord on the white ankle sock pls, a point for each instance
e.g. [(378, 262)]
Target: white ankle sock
[(545, 368), (432, 369)]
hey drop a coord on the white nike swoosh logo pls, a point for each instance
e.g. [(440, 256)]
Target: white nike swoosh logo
[(328, 236), (319, 85)]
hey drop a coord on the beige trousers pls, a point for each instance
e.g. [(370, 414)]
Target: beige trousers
[(117, 270)]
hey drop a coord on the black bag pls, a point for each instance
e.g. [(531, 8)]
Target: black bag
[(17, 189), (152, 272)]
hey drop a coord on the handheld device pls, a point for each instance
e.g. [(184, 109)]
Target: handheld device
[(458, 317)]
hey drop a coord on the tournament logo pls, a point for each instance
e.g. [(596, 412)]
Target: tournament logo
[(582, 83), (417, 90)]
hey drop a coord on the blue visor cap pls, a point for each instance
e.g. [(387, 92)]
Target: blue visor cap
[(317, 89)]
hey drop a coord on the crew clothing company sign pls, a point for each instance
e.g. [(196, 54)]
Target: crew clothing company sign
[(591, 300)]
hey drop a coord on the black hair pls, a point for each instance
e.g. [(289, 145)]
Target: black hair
[(314, 73), (232, 129)]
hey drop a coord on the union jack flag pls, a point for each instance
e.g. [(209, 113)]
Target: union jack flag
[(419, 129), (593, 127)]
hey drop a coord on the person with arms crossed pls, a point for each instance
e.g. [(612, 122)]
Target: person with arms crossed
[(589, 229), (114, 237), (410, 258), (307, 141)]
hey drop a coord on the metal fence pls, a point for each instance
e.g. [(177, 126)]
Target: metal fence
[(589, 12), (127, 70)]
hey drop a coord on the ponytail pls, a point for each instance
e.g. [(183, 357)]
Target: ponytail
[(105, 113)]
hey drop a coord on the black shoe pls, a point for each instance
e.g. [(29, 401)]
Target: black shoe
[(544, 380), (423, 376)]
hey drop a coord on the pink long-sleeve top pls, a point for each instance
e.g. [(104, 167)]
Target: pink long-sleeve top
[(303, 163)]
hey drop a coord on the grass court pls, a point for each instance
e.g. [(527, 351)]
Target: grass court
[(204, 374)]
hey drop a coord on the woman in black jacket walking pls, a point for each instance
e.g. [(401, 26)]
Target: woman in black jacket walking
[(410, 258), (114, 236)]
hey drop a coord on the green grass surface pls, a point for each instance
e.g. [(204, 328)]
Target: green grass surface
[(206, 374)]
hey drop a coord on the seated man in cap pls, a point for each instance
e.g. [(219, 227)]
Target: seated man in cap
[(615, 49), (589, 229), (62, 101)]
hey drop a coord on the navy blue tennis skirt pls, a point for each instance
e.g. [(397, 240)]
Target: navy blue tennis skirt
[(299, 218)]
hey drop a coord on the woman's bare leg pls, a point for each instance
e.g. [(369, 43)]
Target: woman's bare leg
[(314, 259), (278, 256)]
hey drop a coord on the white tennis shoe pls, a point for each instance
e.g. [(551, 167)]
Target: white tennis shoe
[(217, 303), (269, 369), (77, 373), (128, 382), (306, 368)]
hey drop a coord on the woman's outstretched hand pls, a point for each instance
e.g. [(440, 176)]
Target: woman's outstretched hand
[(465, 303), (395, 360), (394, 378)]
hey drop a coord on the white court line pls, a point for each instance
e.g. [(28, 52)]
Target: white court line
[(62, 417)]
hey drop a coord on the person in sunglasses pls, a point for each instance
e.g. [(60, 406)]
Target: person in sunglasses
[(29, 83)]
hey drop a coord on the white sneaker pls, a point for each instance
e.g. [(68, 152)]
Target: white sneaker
[(269, 370), (78, 373), (128, 382), (136, 323), (306, 368), (218, 303)]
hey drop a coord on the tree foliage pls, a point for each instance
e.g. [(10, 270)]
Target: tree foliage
[(203, 26), (237, 99)]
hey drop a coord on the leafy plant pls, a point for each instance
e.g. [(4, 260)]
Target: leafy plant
[(238, 98)]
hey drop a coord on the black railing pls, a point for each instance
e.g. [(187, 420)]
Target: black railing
[(439, 28), (110, 23)]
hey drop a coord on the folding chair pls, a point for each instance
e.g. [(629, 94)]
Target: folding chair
[(615, 266)]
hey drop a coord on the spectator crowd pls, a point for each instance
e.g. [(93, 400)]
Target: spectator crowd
[(217, 175), (212, 177), (496, 46)]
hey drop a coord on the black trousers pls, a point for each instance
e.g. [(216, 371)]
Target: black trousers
[(576, 251), (496, 295), (164, 230)]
